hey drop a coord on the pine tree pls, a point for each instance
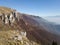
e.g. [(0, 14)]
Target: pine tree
[(54, 43)]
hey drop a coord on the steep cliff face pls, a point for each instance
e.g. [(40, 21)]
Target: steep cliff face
[(8, 17)]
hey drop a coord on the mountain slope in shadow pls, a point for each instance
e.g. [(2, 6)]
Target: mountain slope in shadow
[(33, 27)]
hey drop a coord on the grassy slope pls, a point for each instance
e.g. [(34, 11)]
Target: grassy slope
[(6, 32), (5, 10)]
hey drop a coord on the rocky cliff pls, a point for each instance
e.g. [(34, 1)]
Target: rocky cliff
[(9, 17)]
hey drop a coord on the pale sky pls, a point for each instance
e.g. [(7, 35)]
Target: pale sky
[(34, 7)]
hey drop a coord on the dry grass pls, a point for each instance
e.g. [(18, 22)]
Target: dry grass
[(7, 31), (5, 10), (5, 39)]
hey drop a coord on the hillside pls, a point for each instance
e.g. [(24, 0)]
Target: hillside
[(23, 29), (10, 32)]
